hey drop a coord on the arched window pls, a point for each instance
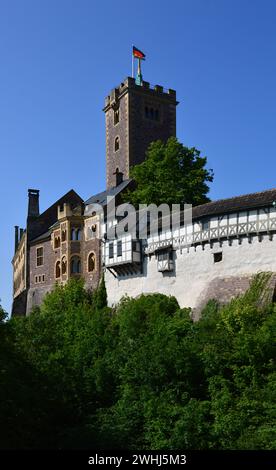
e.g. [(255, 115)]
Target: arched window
[(75, 234), (156, 115), (151, 113), (57, 241), (117, 144), (91, 263), (78, 234), (146, 112), (63, 235), (75, 265), (63, 265), (57, 270)]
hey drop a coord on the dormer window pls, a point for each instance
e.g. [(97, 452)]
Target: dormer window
[(116, 144)]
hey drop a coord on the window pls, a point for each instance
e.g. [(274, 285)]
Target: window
[(57, 270), (165, 260), (117, 144), (135, 245), (119, 248), (57, 241), (151, 113), (91, 262), (205, 224), (63, 235), (39, 256), (75, 234), (116, 116), (63, 265), (218, 257), (75, 265), (111, 250)]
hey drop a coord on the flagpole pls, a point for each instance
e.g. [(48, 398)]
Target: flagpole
[(132, 69)]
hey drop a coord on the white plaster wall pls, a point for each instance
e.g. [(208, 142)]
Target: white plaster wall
[(195, 270)]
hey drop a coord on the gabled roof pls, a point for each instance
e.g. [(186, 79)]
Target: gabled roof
[(101, 198), (40, 225)]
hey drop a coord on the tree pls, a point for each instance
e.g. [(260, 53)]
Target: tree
[(171, 174), (100, 295)]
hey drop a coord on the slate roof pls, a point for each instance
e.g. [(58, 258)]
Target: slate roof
[(40, 225), (101, 198), (233, 204), (42, 237)]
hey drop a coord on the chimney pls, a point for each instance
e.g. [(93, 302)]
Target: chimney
[(33, 207), (16, 228), (21, 233)]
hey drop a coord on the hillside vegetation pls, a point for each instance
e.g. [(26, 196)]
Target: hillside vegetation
[(77, 374)]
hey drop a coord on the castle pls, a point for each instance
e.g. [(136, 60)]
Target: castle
[(215, 256)]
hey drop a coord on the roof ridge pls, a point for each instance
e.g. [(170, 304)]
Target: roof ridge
[(236, 197)]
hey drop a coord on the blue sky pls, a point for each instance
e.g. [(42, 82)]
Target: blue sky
[(59, 58)]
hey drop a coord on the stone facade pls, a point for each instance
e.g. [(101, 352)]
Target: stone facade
[(135, 116)]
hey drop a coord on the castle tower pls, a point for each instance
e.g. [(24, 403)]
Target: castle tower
[(135, 116)]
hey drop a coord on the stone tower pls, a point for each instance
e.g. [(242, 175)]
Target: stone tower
[(135, 116)]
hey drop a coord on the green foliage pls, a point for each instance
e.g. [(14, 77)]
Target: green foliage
[(100, 295), (76, 374), (171, 174)]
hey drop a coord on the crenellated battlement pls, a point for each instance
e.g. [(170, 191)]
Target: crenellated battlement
[(145, 87)]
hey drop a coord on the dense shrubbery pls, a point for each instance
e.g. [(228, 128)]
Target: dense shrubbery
[(78, 374)]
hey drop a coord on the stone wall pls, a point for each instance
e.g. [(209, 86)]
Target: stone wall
[(196, 277)]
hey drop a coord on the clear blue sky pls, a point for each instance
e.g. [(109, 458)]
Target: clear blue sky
[(59, 58)]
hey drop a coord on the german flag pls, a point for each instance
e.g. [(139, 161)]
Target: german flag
[(137, 53)]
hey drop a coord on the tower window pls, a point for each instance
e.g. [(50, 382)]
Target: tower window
[(91, 262), (39, 256), (117, 144), (152, 113), (116, 116), (218, 257)]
